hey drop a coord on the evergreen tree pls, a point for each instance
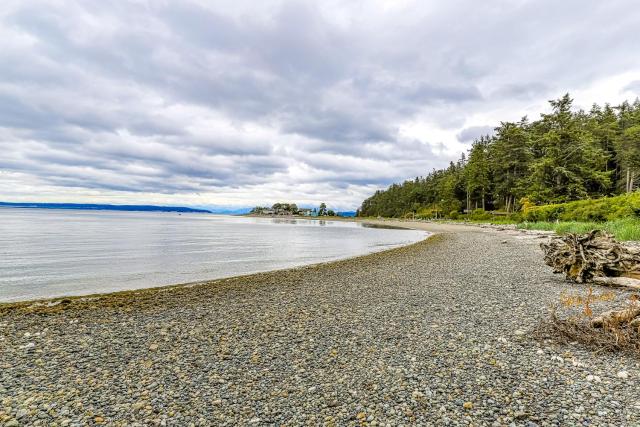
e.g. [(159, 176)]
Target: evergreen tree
[(565, 155), (510, 156)]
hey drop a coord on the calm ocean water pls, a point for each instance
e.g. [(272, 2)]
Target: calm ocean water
[(46, 253)]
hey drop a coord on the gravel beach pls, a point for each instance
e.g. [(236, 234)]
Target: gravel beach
[(436, 333)]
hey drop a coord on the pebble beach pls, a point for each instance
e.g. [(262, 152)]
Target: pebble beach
[(436, 333)]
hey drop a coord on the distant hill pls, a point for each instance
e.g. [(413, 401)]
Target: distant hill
[(230, 211), (97, 207)]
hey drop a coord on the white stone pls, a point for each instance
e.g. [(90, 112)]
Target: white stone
[(623, 375), (593, 378)]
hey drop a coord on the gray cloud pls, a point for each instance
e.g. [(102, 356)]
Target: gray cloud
[(469, 134), (233, 102), (633, 87)]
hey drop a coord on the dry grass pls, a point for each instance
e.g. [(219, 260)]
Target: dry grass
[(575, 325)]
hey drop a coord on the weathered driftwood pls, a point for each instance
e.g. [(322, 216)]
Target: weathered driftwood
[(586, 257), (617, 318), (618, 282)]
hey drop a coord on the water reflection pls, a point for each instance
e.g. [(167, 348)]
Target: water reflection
[(51, 252)]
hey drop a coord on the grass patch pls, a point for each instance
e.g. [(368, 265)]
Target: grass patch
[(622, 229)]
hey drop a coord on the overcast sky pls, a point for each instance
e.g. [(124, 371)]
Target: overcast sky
[(238, 103)]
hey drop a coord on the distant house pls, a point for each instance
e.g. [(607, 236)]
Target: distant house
[(282, 211), (268, 212), (305, 212)]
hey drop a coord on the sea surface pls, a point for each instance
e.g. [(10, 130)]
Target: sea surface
[(49, 253)]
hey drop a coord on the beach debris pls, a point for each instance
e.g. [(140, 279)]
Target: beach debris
[(595, 257), (612, 330)]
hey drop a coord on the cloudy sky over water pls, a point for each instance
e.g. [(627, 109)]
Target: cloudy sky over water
[(239, 102)]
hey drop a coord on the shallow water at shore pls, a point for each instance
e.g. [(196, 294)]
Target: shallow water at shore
[(46, 253)]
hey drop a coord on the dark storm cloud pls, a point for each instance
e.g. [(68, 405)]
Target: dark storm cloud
[(202, 97)]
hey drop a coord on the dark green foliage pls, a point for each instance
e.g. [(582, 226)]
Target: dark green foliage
[(564, 156)]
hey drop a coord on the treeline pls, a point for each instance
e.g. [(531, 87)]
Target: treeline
[(565, 155)]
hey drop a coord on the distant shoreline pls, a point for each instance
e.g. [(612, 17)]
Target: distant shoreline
[(326, 218)]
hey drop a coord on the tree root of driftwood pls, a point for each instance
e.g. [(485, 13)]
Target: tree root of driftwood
[(594, 257)]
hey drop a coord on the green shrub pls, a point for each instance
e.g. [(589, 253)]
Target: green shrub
[(454, 214), (623, 229), (480, 215), (597, 210), (515, 217)]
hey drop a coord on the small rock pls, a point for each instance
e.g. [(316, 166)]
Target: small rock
[(623, 375), (12, 423), (98, 420), (519, 415), (593, 378), (138, 405), (467, 405), (153, 347)]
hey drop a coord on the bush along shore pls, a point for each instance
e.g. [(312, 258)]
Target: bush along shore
[(436, 333), (618, 216)]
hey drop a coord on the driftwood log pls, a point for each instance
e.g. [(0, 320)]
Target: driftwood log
[(627, 316), (594, 257)]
